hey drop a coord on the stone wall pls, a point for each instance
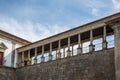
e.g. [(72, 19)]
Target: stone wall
[(93, 66), (7, 73)]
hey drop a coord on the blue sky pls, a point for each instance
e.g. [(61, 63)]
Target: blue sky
[(36, 19)]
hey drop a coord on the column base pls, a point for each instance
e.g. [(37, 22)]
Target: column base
[(50, 57), (58, 55), (42, 59), (68, 53), (91, 48), (29, 62), (18, 65), (22, 63), (104, 45), (79, 50), (35, 61)]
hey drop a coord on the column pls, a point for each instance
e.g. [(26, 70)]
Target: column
[(42, 58), (104, 44), (79, 49), (63, 52), (116, 28), (59, 47), (19, 59), (50, 55), (56, 54), (68, 51), (91, 46), (35, 59), (23, 63), (13, 54), (29, 60), (72, 50)]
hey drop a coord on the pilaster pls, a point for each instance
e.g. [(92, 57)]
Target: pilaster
[(13, 54), (116, 28)]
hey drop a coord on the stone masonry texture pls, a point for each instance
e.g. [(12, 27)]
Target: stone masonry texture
[(7, 73), (92, 66)]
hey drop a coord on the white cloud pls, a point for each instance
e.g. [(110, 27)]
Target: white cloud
[(95, 6), (116, 4), (102, 8), (28, 30), (95, 11)]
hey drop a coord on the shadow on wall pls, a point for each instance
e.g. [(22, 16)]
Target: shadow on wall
[(7, 60)]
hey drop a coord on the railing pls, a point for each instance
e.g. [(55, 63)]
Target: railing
[(85, 49)]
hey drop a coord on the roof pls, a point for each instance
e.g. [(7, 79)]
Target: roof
[(13, 37), (103, 20)]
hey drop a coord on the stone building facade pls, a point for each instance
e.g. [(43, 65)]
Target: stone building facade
[(8, 45), (87, 52)]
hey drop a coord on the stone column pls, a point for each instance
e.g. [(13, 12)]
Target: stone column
[(91, 46), (79, 49), (59, 47), (35, 59), (50, 55), (63, 52), (19, 59), (68, 51), (13, 54), (42, 58), (116, 28), (23, 63), (72, 50), (29, 60), (104, 44), (56, 54)]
